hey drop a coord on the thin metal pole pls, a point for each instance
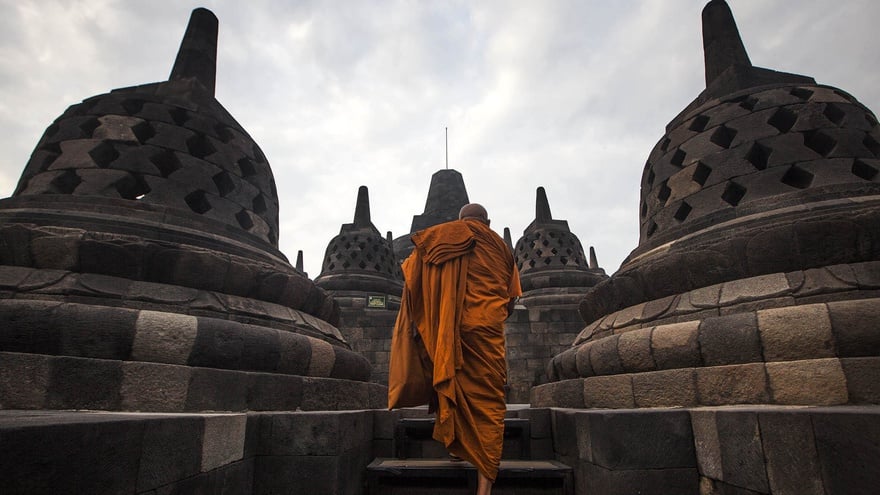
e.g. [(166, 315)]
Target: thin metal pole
[(447, 147)]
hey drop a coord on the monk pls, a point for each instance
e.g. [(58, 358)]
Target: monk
[(447, 349)]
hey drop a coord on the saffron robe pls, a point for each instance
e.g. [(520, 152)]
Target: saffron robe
[(448, 346)]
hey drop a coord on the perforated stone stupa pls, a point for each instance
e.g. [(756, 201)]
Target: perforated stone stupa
[(755, 277), (139, 264)]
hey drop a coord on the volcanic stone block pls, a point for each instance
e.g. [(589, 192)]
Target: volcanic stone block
[(79, 383), (24, 380), (761, 287), (349, 365), (730, 339), (164, 337), (28, 326), (813, 381), (217, 390), (154, 387), (172, 451), (614, 391), (223, 440), (320, 433), (733, 384), (277, 474), (707, 443), (110, 257), (604, 358), (160, 293), (582, 360), (797, 332), (664, 439), (15, 241), (63, 451), (634, 349), (855, 326), (790, 451), (565, 433), (741, 451), (596, 479), (676, 345), (565, 393), (274, 392), (667, 388), (867, 274), (848, 443), (861, 379), (296, 351), (322, 358), (95, 331), (57, 252), (332, 394)]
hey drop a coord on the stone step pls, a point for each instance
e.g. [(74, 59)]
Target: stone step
[(412, 438), (447, 477)]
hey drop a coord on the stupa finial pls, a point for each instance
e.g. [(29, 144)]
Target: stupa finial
[(542, 207), (722, 44), (362, 208), (197, 56)]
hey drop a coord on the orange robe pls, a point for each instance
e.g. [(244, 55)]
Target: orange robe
[(448, 347)]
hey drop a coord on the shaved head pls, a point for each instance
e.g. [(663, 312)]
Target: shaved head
[(474, 210)]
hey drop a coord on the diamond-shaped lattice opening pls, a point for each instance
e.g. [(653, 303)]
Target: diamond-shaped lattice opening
[(701, 173), (723, 136), (545, 242), (699, 123), (797, 177), (678, 157), (166, 161), (247, 167), (863, 170), (179, 115), (531, 263), (833, 113), (51, 148), (802, 93), (224, 183), (199, 146), (749, 103), (143, 131), (224, 133), (539, 252), (733, 193), (103, 154), (872, 145), (132, 187), (783, 119), (563, 260), (547, 261), (133, 106), (652, 227), (88, 127), (244, 220), (551, 235), (66, 182), (651, 176), (819, 142), (682, 212), (198, 202), (758, 155), (554, 251), (259, 204), (664, 192), (664, 145)]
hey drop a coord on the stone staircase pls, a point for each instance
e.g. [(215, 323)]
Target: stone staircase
[(421, 465)]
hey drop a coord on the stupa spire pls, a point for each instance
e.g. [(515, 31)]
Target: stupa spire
[(542, 207), (722, 44), (197, 56), (362, 208)]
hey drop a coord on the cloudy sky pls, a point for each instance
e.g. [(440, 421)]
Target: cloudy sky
[(569, 95)]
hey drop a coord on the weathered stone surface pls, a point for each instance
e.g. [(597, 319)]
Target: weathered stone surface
[(814, 381), (664, 436), (667, 388), (565, 393), (790, 452), (154, 387), (604, 358), (217, 390), (172, 450), (321, 358), (596, 479), (797, 332), (732, 384), (730, 339), (80, 383), (634, 349), (582, 359), (848, 443), (762, 287), (319, 433), (164, 337), (615, 392), (223, 440), (855, 327), (676, 345), (24, 380), (742, 456), (861, 379), (707, 444)]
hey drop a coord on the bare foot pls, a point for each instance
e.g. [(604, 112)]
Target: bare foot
[(484, 486)]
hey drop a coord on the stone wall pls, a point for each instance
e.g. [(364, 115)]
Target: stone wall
[(369, 330)]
